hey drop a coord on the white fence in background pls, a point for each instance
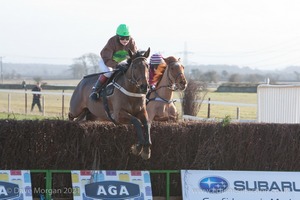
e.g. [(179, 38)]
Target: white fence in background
[(278, 103), (63, 108)]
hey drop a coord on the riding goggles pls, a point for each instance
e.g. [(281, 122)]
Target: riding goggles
[(124, 38)]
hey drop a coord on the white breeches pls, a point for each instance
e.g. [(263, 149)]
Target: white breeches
[(104, 68)]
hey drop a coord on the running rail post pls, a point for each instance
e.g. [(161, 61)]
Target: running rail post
[(168, 180), (48, 184), (168, 185), (63, 104)]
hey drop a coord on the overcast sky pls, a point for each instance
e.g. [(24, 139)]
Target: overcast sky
[(263, 34)]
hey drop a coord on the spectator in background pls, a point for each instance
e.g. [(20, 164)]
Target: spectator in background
[(36, 99), (24, 84)]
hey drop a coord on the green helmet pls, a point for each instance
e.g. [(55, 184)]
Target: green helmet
[(123, 30)]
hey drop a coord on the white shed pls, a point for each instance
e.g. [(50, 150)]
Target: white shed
[(278, 103)]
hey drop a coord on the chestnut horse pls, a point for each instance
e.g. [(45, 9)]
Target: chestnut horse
[(123, 101), (169, 77)]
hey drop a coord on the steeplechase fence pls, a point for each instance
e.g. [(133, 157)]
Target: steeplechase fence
[(57, 146)]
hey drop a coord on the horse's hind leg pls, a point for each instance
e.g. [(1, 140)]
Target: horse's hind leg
[(172, 112)]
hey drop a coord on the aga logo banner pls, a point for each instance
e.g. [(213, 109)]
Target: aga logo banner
[(15, 185), (90, 185)]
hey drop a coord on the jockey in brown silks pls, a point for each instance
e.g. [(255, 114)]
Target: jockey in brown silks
[(113, 55)]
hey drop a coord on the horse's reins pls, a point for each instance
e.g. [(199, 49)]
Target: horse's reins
[(171, 83), (170, 80), (90, 75), (123, 90), (131, 80), (169, 86)]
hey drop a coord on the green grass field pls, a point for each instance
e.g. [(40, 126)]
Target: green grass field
[(221, 111)]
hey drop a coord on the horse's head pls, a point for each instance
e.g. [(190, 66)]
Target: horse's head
[(176, 73), (138, 70)]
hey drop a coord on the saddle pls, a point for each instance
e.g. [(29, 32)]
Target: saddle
[(107, 90), (108, 87)]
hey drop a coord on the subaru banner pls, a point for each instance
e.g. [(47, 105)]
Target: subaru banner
[(90, 185), (240, 185)]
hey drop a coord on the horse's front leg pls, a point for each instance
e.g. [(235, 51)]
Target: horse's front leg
[(140, 122), (172, 112), (137, 148), (151, 111), (146, 153), (126, 118)]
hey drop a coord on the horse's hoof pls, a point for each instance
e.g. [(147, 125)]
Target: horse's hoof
[(136, 149), (146, 153)]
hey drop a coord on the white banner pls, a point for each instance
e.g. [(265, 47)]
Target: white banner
[(90, 185), (240, 185), (15, 185)]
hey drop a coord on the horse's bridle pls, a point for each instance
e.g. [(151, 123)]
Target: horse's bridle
[(170, 86), (171, 82), (132, 79)]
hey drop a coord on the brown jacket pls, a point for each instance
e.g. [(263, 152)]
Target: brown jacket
[(114, 52)]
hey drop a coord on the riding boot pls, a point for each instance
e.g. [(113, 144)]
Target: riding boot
[(97, 87)]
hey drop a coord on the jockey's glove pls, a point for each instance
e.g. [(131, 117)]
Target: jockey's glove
[(122, 67)]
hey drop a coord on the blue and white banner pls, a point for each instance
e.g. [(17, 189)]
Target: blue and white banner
[(90, 185), (240, 185)]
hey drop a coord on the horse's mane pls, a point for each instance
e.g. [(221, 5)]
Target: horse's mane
[(159, 72), (161, 68)]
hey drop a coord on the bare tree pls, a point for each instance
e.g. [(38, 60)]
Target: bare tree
[(254, 78), (93, 60), (37, 79), (77, 70), (210, 77), (235, 78), (224, 74), (193, 97), (297, 75), (196, 74), (273, 78), (82, 60), (85, 64)]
